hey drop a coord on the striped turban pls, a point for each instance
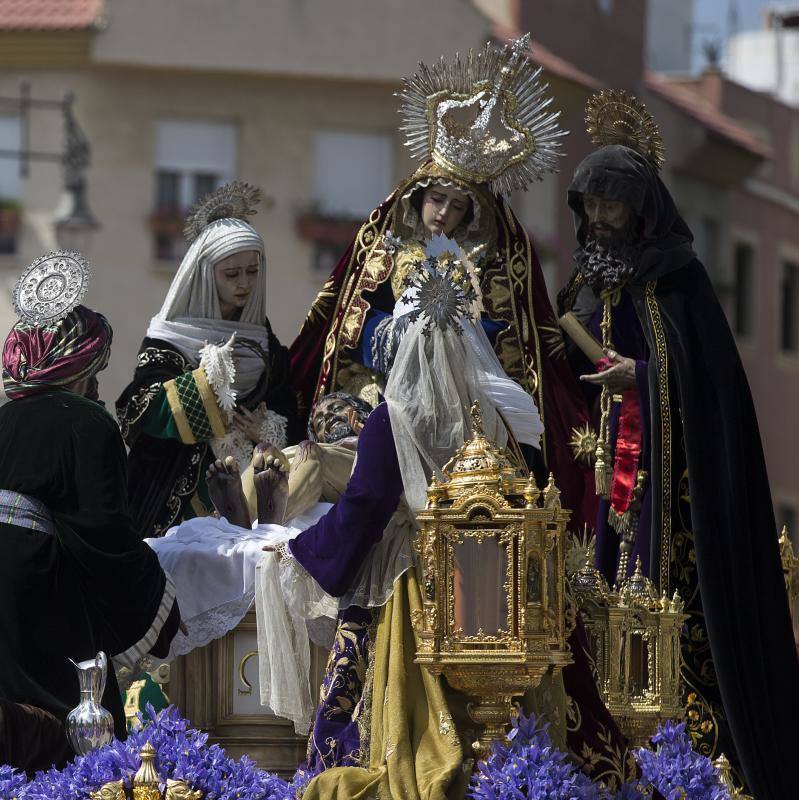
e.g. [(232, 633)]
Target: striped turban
[(38, 357)]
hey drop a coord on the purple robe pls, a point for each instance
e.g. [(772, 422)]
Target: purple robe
[(332, 551)]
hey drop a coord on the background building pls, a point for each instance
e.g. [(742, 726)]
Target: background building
[(297, 98)]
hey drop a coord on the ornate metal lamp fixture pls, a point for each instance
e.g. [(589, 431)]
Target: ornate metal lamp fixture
[(635, 638), (73, 219), (491, 549), (790, 569)]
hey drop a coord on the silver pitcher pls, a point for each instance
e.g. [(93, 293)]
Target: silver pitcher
[(89, 725)]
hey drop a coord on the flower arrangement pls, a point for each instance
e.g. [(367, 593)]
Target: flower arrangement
[(530, 766), (182, 753)]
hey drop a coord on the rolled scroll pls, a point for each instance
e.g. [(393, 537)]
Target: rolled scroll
[(581, 337)]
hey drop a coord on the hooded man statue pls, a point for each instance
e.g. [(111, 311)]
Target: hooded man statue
[(679, 462)]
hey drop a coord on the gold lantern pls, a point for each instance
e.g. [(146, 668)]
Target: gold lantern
[(790, 570), (491, 549), (634, 637)]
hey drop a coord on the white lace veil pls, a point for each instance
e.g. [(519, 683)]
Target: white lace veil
[(438, 372)]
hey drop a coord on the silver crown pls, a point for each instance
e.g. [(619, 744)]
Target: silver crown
[(484, 119), (51, 287)]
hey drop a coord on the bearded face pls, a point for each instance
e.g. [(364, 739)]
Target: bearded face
[(337, 416), (611, 254)]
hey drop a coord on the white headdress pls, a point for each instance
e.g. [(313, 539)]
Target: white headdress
[(484, 119), (191, 316)]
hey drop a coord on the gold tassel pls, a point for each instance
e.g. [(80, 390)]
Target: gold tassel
[(603, 468)]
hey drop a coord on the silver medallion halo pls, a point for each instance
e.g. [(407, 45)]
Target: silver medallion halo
[(51, 287)]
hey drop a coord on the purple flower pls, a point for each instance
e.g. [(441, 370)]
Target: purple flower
[(181, 753)]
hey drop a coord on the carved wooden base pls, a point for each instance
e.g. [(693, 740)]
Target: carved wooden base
[(216, 688)]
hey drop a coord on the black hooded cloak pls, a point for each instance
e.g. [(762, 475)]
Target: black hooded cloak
[(703, 421)]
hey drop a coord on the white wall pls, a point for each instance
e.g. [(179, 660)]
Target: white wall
[(766, 61)]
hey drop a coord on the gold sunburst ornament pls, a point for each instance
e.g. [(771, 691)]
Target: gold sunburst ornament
[(583, 444), (614, 116)]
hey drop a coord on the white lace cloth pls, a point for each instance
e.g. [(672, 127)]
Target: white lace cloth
[(287, 599), (212, 564)]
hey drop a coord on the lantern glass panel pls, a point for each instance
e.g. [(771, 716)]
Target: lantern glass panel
[(639, 664), (480, 580)]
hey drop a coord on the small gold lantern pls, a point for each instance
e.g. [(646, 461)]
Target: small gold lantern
[(491, 549), (635, 641), (790, 570)]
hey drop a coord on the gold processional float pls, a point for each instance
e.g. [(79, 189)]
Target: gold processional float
[(492, 561)]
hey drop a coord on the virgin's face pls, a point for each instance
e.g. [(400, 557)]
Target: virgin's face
[(236, 277), (443, 209)]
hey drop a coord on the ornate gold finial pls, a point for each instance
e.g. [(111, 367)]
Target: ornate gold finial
[(614, 116), (722, 764), (145, 782), (552, 494), (477, 420), (531, 492)]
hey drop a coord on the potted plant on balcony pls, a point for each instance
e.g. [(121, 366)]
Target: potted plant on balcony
[(10, 217)]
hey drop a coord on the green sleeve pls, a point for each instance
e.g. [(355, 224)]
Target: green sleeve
[(185, 409)]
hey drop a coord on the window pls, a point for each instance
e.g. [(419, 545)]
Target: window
[(743, 264), (789, 308), (10, 185), (192, 159), (353, 172)]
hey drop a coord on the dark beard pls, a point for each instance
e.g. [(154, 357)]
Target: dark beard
[(337, 431), (608, 264)]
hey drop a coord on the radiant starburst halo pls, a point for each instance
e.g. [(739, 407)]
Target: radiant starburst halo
[(583, 444), (614, 116), (484, 119), (439, 288), (235, 200)]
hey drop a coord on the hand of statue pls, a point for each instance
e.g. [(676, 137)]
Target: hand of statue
[(617, 377), (245, 421)]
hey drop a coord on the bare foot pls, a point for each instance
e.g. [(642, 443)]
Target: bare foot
[(271, 487), (224, 487)]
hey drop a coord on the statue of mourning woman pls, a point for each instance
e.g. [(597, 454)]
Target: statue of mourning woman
[(211, 378)]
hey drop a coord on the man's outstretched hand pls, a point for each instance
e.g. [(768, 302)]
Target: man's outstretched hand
[(618, 376)]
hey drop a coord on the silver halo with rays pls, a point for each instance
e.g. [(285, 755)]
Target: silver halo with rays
[(485, 118), (51, 287), (234, 200)]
